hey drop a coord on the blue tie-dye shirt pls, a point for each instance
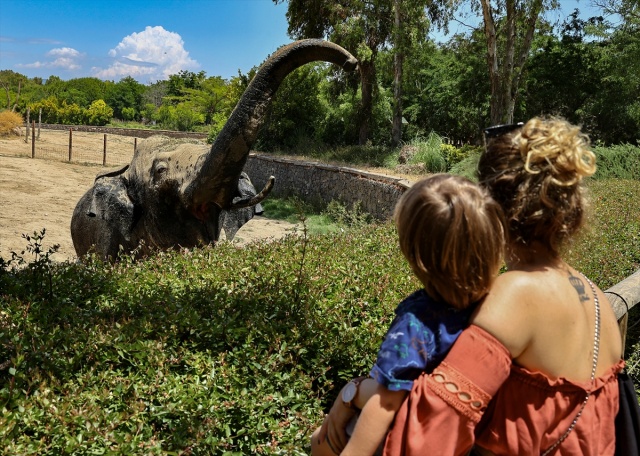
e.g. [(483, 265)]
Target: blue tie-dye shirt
[(419, 338)]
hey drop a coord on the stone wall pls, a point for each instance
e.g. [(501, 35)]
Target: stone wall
[(319, 184), (315, 183)]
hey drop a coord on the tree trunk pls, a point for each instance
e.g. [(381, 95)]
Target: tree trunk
[(505, 78), (398, 60), (492, 63), (15, 105), (367, 78)]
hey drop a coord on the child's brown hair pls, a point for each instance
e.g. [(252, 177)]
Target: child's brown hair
[(452, 233)]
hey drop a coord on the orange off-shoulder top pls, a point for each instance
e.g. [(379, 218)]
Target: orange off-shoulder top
[(477, 396)]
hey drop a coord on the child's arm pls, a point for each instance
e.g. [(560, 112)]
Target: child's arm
[(374, 421), (335, 423)]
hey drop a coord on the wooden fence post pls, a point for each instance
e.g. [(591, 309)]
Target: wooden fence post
[(26, 136), (70, 142), (135, 145), (104, 153), (33, 140), (623, 296), (39, 121)]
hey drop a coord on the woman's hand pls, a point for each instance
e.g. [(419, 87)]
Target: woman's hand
[(334, 426)]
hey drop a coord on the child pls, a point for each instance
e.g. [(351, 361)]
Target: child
[(452, 233)]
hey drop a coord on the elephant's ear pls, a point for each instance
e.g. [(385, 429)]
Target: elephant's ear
[(110, 202)]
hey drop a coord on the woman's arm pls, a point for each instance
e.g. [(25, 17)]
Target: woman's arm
[(374, 421)]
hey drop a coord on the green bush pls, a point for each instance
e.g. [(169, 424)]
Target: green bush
[(220, 350), (468, 166), (218, 121), (429, 153), (98, 113), (128, 114), (208, 350), (621, 161)]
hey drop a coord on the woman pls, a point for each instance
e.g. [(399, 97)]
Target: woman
[(544, 346)]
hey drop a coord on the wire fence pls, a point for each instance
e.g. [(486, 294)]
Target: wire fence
[(73, 146)]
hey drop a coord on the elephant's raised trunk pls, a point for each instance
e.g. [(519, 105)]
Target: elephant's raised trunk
[(221, 168)]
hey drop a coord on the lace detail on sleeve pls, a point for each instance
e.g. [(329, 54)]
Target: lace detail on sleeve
[(457, 391)]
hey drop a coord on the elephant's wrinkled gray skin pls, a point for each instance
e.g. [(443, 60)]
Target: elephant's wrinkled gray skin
[(180, 193)]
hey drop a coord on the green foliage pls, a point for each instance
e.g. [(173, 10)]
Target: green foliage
[(621, 161), (182, 117), (468, 166), (126, 93), (220, 350), (98, 113), (610, 247), (295, 110), (218, 121), (206, 351), (334, 217), (50, 110), (352, 218), (429, 153), (128, 114)]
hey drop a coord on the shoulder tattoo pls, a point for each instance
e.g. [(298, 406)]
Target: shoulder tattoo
[(578, 284)]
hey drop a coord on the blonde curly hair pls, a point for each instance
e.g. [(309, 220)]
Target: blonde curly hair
[(535, 173)]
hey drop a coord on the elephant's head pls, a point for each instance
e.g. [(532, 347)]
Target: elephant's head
[(183, 193)]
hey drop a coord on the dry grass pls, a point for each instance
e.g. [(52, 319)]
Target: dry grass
[(10, 123)]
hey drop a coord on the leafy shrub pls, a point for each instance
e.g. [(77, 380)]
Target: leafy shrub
[(621, 161), (429, 153), (450, 153), (49, 107), (468, 166), (71, 114), (9, 122), (128, 113), (218, 121), (205, 350), (99, 113), (220, 350), (355, 217), (182, 117)]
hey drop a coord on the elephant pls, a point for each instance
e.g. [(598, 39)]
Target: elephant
[(183, 193)]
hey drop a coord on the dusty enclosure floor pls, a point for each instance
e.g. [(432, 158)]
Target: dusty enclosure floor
[(42, 193)]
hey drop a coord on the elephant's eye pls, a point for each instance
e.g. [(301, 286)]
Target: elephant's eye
[(161, 169)]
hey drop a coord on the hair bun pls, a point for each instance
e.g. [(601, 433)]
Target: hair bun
[(556, 147)]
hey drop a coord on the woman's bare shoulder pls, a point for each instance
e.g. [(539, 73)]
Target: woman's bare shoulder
[(508, 311)]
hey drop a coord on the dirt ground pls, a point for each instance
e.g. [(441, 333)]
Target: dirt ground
[(42, 193)]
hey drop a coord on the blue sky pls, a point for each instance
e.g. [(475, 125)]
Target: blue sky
[(148, 40)]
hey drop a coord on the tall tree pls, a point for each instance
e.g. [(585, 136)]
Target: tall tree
[(361, 26), (506, 63), (12, 83), (409, 29), (509, 27), (629, 10), (126, 93)]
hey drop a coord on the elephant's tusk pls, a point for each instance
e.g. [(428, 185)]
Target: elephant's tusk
[(252, 201)]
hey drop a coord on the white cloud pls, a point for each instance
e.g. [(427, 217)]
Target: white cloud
[(152, 54), (65, 58)]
